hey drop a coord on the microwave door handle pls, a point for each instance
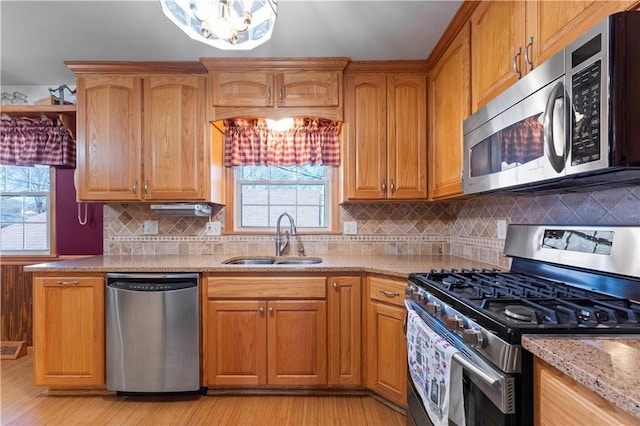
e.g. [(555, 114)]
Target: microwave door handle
[(557, 161)]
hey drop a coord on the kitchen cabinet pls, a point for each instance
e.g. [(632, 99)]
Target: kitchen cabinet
[(142, 137), (560, 400), (68, 330), (385, 133), (385, 339), (344, 340), (509, 38), (276, 88), (266, 331), (449, 97)]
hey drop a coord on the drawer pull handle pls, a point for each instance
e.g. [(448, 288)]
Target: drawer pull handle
[(68, 282), (389, 293)]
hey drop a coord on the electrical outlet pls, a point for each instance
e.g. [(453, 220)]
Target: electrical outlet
[(501, 226), (213, 228), (150, 227), (350, 228)]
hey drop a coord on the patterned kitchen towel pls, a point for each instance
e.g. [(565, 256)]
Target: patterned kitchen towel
[(437, 379)]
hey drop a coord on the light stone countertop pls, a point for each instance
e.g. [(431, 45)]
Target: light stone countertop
[(609, 365), (393, 265)]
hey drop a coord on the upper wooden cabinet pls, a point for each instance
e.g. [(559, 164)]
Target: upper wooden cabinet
[(68, 331), (385, 133), (449, 104), (142, 137), (276, 88), (510, 38)]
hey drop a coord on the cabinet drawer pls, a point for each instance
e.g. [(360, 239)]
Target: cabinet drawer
[(267, 287), (386, 290)]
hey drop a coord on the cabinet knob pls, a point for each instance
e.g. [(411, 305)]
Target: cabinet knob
[(384, 187), (269, 94), (146, 187), (335, 285), (134, 188), (393, 187), (271, 310), (261, 310)]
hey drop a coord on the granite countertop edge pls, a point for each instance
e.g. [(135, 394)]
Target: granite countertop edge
[(570, 355), (391, 265)]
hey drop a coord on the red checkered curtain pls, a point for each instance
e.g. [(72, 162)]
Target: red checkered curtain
[(30, 142), (308, 142)]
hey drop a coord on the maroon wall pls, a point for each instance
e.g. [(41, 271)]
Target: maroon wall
[(71, 237)]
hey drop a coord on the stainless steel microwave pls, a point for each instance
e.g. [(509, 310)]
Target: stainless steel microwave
[(570, 124)]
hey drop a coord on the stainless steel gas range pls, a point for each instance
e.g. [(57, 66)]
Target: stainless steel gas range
[(563, 279)]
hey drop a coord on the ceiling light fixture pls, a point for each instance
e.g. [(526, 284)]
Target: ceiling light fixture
[(225, 24)]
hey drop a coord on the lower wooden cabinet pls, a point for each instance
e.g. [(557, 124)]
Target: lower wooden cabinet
[(68, 331), (277, 337), (385, 339), (344, 340), (560, 400)]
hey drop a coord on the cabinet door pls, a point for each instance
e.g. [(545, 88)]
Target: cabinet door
[(553, 24), (406, 137), (308, 88), (297, 343), (497, 34), (560, 400), (449, 104), (175, 158), (344, 327), (237, 342), (68, 331), (366, 133), (109, 138), (237, 89), (386, 358)]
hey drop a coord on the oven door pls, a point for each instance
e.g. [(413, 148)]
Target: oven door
[(489, 395), (524, 142)]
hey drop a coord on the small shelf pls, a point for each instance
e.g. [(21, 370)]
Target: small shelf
[(66, 113)]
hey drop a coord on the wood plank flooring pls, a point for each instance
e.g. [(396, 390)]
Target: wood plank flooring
[(22, 403)]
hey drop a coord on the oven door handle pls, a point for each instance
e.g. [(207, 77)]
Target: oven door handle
[(476, 371)]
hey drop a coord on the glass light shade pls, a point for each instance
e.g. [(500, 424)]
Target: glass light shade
[(224, 24)]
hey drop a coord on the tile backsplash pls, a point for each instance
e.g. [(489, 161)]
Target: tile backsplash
[(466, 228)]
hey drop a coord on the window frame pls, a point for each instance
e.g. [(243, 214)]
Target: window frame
[(24, 256), (233, 204)]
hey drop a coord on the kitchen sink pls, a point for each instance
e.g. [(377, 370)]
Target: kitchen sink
[(271, 260)]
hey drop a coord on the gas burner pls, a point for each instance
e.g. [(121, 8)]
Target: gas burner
[(519, 312)]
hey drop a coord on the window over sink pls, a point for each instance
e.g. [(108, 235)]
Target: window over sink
[(262, 193)]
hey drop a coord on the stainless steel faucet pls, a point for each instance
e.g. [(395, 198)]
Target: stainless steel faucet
[(281, 245)]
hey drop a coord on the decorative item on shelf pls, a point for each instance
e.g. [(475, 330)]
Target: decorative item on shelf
[(224, 24), (15, 98), (57, 96)]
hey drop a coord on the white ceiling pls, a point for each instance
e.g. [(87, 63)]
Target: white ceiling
[(37, 36)]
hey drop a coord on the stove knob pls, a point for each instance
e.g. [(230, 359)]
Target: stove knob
[(433, 309), (453, 323), (472, 337)]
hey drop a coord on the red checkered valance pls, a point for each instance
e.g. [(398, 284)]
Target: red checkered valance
[(29, 142), (249, 142)]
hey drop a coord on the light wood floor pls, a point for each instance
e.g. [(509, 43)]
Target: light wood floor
[(22, 403)]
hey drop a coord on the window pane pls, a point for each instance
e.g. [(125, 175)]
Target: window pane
[(284, 173), (39, 179), (35, 236), (24, 209), (299, 191)]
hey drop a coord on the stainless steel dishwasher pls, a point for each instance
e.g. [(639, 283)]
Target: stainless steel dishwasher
[(152, 333)]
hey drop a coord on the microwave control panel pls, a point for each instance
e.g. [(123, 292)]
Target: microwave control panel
[(586, 114)]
